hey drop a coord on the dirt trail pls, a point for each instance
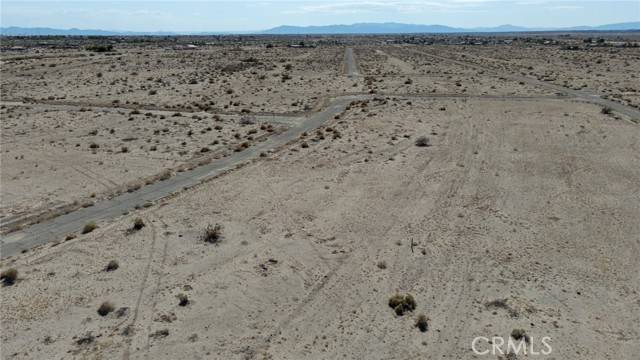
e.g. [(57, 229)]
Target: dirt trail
[(57, 228), (516, 217), (351, 68), (583, 95)]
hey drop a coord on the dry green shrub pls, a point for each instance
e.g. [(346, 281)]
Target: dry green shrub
[(212, 234), (402, 303), (89, 227), (105, 308), (9, 276), (422, 322)]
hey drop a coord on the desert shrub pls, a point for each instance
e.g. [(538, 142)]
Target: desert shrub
[(520, 334), (606, 110), (138, 224), (165, 175), (99, 48), (183, 300), (401, 304), (421, 323), (112, 265), (422, 141), (212, 234), (9, 276), (105, 308), (382, 264), (89, 227)]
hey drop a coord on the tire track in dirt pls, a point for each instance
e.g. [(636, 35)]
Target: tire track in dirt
[(93, 177), (160, 278), (319, 290), (580, 95), (141, 289)]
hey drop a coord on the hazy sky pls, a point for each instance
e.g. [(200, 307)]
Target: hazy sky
[(212, 15)]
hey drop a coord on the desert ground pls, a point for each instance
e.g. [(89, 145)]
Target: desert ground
[(269, 198)]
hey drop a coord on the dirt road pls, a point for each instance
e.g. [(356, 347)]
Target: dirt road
[(57, 228), (350, 65), (585, 95)]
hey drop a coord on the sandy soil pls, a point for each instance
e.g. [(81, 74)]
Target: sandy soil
[(520, 214), (55, 156), (223, 78), (610, 71), (510, 202)]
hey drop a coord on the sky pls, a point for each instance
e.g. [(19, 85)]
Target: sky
[(252, 15)]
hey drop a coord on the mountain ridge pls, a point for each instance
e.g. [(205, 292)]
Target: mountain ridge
[(356, 28)]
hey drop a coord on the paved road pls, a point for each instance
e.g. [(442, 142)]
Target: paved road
[(57, 228), (350, 65)]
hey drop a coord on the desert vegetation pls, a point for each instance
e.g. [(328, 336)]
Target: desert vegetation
[(397, 212)]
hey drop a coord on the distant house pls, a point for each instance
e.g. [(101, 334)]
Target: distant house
[(185, 47)]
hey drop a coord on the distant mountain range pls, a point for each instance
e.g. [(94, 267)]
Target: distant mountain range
[(398, 28), (359, 28)]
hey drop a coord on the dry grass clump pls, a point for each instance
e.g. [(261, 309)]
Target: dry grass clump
[(99, 48), (401, 304), (165, 175), (423, 141), (138, 224), (422, 322), (112, 266), (183, 300), (89, 227), (9, 277), (520, 334), (105, 308), (212, 234)]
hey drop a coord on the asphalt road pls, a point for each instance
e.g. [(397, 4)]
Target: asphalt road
[(57, 228)]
